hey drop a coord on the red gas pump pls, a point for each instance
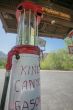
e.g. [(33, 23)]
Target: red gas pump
[(69, 42), (23, 60), (70, 46)]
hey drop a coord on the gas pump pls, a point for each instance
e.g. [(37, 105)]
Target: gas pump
[(69, 42), (23, 60)]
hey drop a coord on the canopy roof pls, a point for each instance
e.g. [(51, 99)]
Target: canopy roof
[(57, 17)]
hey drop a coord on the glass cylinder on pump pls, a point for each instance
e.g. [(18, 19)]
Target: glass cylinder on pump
[(25, 74), (28, 21)]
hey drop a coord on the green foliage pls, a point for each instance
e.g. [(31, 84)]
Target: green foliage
[(59, 60), (68, 41), (2, 63)]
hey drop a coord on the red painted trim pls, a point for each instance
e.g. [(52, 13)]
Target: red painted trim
[(70, 34), (28, 6), (27, 49)]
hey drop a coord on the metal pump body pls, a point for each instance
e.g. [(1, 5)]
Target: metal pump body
[(23, 60)]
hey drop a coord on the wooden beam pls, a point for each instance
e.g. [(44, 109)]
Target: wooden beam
[(47, 19), (3, 22), (7, 8), (60, 8), (51, 35), (58, 21), (11, 30)]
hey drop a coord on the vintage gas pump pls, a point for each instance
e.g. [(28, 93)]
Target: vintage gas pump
[(23, 60), (69, 42)]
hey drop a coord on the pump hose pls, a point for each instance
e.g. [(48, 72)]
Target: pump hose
[(3, 99), (7, 77)]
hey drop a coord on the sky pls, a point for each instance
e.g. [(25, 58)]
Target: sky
[(8, 40)]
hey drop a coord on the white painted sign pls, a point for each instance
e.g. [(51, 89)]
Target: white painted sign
[(25, 83)]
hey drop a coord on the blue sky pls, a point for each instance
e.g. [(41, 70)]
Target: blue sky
[(8, 40)]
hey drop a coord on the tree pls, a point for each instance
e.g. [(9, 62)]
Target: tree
[(59, 60), (2, 63)]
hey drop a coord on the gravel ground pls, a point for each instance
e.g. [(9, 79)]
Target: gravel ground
[(56, 89)]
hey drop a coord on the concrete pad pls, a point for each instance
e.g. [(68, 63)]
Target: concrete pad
[(56, 89)]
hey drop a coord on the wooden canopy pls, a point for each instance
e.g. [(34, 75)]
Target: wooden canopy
[(57, 17)]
